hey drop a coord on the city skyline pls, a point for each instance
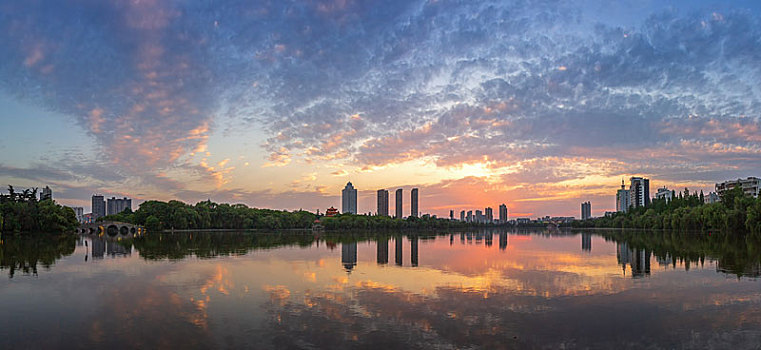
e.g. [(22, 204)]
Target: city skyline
[(279, 105)]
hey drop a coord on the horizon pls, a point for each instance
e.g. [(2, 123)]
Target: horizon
[(280, 105)]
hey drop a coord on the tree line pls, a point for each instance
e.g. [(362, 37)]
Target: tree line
[(158, 216), (736, 212), (23, 212)]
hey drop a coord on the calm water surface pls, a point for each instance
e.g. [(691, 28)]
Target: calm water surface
[(298, 291)]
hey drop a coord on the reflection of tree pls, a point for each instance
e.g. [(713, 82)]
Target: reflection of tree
[(735, 254), (212, 244), (26, 252)]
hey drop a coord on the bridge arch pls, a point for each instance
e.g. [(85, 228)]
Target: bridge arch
[(112, 230)]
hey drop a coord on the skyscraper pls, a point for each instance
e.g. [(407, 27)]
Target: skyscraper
[(98, 206), (349, 199), (117, 205), (382, 203), (586, 210), (451, 214), (622, 198), (503, 213), (639, 192), (489, 214), (462, 215), (398, 203), (413, 202)]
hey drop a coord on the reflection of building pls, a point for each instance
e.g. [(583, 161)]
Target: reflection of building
[(503, 217), (46, 194), (488, 239), (413, 250), (750, 186), (664, 193), (586, 210), (638, 259), (98, 206), (502, 241), (118, 205), (622, 198), (639, 192), (398, 203), (586, 242), (349, 255), (382, 203), (398, 250), (98, 248), (382, 251), (349, 199), (113, 248), (414, 202)]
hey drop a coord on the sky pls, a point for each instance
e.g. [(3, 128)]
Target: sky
[(540, 105)]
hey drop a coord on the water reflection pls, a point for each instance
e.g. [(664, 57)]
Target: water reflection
[(253, 290)]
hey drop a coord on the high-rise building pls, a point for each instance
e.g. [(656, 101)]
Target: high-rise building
[(349, 199), (398, 203), (503, 218), (98, 206), (586, 210), (382, 203), (489, 214), (664, 193), (462, 215), (622, 198), (639, 192), (79, 212), (413, 203), (117, 205), (469, 218), (451, 214), (479, 216), (46, 194), (750, 186)]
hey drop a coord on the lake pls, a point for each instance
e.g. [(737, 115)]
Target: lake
[(480, 290)]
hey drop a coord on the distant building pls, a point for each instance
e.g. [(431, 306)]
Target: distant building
[(46, 194), (586, 210), (79, 212), (414, 203), (522, 221), (489, 214), (88, 218), (98, 206), (664, 193), (462, 215), (639, 192), (398, 203), (503, 217), (609, 214), (750, 186), (382, 203), (349, 199), (118, 205), (469, 218), (712, 198), (451, 214), (622, 198), (479, 216), (331, 212)]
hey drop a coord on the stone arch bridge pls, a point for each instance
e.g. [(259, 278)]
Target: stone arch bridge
[(113, 229)]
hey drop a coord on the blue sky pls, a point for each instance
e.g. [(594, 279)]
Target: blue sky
[(538, 104)]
